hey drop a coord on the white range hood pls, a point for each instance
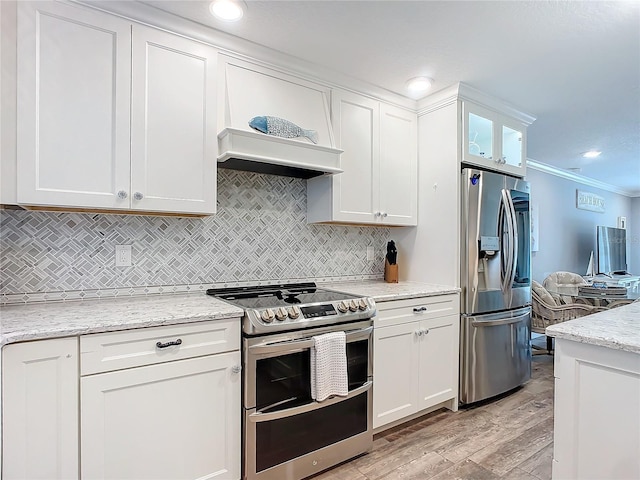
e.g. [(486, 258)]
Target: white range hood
[(251, 91)]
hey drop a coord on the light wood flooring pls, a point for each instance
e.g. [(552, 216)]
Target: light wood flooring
[(508, 438)]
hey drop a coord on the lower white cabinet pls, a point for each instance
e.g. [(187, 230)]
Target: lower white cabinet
[(175, 420), (151, 403), (415, 364), (40, 410)]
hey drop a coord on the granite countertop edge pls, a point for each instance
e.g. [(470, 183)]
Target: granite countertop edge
[(617, 329)]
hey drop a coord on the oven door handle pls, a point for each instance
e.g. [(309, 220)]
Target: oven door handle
[(271, 347), (289, 412)]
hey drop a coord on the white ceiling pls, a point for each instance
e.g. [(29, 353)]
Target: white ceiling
[(573, 65)]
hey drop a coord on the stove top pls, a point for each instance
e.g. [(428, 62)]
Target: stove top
[(276, 308)]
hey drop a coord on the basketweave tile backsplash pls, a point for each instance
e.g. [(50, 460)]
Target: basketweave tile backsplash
[(259, 234)]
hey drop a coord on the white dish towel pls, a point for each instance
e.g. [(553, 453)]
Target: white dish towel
[(329, 366)]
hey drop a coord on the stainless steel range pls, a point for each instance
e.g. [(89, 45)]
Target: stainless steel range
[(286, 434)]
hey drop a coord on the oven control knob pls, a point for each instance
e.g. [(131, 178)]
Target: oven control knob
[(342, 307), (267, 316), (281, 313), (293, 312), (362, 305), (353, 306)]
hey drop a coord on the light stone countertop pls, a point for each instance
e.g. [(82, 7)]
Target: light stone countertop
[(36, 321), (381, 291), (618, 328), (62, 319)]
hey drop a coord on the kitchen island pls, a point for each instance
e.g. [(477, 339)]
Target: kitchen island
[(597, 395)]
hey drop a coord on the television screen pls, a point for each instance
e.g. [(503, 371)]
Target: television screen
[(612, 249)]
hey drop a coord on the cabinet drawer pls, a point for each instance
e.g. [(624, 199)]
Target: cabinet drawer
[(416, 309), (105, 352)]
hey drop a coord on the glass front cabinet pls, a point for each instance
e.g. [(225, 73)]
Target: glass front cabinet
[(493, 140)]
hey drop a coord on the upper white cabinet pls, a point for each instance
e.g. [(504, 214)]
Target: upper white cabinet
[(457, 125), (113, 115), (74, 73), (379, 182), (40, 409), (173, 128), (493, 140)]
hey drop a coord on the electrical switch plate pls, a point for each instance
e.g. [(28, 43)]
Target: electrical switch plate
[(123, 255), (370, 253)]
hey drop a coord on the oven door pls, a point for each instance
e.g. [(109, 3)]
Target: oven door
[(286, 433)]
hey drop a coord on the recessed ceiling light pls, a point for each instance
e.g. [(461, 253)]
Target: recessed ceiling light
[(591, 154), (228, 10), (418, 85)]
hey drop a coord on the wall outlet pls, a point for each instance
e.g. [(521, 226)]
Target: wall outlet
[(370, 253), (123, 255)]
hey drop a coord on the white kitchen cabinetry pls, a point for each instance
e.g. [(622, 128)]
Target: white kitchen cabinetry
[(149, 403), (109, 113), (379, 184), (415, 363), (431, 252), (173, 127), (40, 409), (164, 405), (596, 412), (493, 140)]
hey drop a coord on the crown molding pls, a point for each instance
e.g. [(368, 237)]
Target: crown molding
[(559, 172), (462, 91), (242, 49)]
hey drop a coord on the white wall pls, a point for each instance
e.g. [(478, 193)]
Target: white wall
[(567, 235)]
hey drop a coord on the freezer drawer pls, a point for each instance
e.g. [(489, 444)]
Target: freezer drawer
[(495, 353)]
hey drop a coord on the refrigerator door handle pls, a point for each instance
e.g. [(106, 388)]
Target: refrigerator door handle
[(494, 323), (506, 257), (514, 238)]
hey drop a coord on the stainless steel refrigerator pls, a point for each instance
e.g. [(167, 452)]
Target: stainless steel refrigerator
[(495, 320)]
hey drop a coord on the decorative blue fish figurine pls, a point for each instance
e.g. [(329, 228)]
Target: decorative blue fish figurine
[(280, 127)]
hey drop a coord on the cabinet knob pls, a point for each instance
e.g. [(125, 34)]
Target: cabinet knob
[(419, 333), (384, 214), (122, 195), (138, 196), (236, 369), (419, 309), (376, 214)]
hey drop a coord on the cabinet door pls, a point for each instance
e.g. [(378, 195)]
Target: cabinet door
[(40, 409), (438, 360), (479, 142), (174, 420), (398, 166), (356, 123), (395, 372), (173, 133), (74, 69), (492, 140), (513, 145)]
